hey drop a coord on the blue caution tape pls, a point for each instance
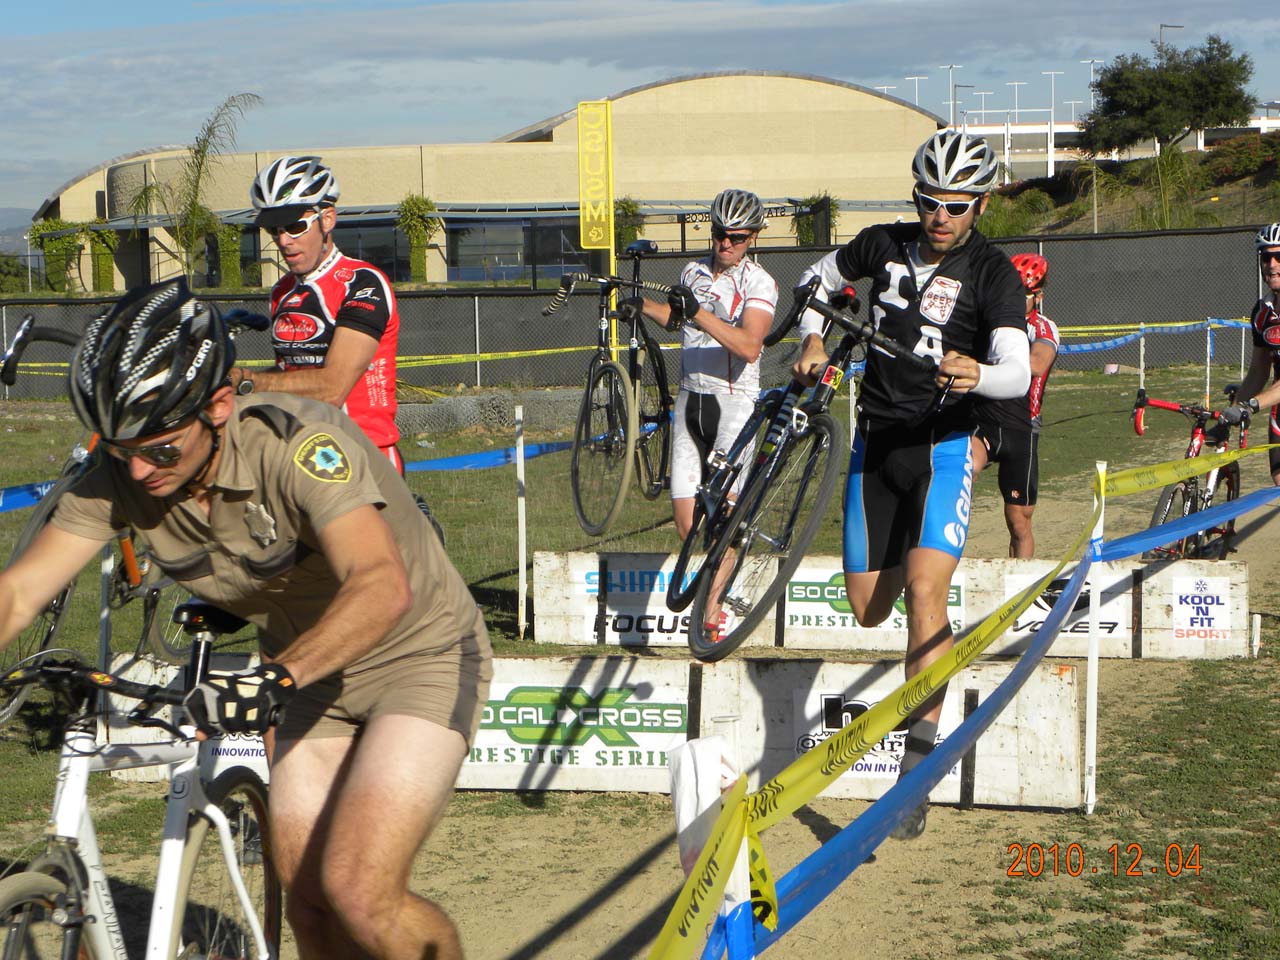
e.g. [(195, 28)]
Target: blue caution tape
[(24, 495), (814, 878), (1096, 346), (486, 459), (1143, 540)]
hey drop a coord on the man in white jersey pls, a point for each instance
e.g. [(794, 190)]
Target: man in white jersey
[(724, 303)]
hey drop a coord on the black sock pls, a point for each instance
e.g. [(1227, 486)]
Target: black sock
[(921, 735)]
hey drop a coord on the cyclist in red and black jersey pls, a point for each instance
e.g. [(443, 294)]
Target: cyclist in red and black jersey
[(1255, 392), (1009, 430), (939, 287), (334, 323)]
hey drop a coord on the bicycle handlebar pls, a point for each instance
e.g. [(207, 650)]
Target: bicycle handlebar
[(28, 333), (865, 331), (570, 280), (73, 675), (1192, 411)]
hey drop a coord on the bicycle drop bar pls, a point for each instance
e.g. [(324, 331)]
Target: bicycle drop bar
[(28, 333), (1191, 410), (70, 674), (570, 280), (867, 333)]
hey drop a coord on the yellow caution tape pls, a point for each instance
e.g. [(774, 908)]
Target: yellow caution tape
[(764, 893), (699, 901), (1138, 479)]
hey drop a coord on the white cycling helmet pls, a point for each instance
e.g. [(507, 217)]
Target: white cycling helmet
[(288, 187), (954, 161), (1268, 236), (737, 210)]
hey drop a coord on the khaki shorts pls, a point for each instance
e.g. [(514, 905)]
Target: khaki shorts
[(448, 688)]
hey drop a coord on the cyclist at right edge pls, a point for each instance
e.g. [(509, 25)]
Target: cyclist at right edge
[(1254, 392), (939, 287)]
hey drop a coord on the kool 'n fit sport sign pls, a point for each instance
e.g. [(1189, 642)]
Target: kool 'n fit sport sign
[(595, 175)]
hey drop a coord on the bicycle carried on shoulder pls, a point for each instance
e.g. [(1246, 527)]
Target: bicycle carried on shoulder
[(741, 552), (1198, 493), (216, 892), (133, 574), (624, 420)]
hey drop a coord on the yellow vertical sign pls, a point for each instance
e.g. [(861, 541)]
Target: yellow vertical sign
[(595, 176)]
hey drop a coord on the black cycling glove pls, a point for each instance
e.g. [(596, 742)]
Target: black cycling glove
[(683, 303), (240, 701), (1239, 411)]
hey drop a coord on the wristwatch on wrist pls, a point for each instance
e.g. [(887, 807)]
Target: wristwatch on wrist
[(245, 387)]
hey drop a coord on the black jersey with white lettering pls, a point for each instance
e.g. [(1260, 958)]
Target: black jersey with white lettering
[(1266, 331), (972, 291)]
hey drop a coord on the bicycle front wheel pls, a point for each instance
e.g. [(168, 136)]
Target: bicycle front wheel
[(1216, 543), (214, 923), (653, 441), (765, 539), (1176, 500), (27, 927), (604, 445), (41, 633)]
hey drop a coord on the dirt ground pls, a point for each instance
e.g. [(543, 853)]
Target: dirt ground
[(589, 877)]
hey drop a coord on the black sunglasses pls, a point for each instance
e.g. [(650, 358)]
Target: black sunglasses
[(737, 239), (161, 455), (954, 208), (1268, 256)]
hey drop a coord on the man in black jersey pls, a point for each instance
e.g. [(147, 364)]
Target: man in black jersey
[(939, 287), (1255, 392)]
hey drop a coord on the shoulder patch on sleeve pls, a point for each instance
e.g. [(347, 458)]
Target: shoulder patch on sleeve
[(285, 425), (321, 457)]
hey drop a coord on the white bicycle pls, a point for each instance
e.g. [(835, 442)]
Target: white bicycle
[(216, 892)]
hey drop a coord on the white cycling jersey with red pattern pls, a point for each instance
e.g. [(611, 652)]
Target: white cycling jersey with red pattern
[(342, 292)]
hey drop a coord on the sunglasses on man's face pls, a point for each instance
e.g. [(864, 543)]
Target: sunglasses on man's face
[(737, 239), (954, 208), (1268, 256), (160, 455), (297, 228)]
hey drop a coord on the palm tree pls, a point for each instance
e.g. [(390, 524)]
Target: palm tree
[(179, 200)]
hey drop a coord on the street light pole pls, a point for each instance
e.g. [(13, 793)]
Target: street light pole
[(951, 69), (1015, 84), (885, 90), (1093, 96), (917, 80), (983, 94), (957, 87), (1168, 26), (1053, 76), (1074, 104), (27, 237)]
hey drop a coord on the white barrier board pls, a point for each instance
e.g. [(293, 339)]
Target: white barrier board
[(607, 724), (1187, 609)]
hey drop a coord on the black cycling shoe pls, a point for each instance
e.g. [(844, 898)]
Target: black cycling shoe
[(426, 512), (913, 825)]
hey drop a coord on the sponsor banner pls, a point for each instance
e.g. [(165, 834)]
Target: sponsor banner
[(819, 714), (1200, 608), (1115, 614), (817, 614), (595, 175), (568, 724)]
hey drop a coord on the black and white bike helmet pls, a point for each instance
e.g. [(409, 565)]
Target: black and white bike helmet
[(737, 210), (955, 161), (150, 363), (1268, 236), (287, 187)]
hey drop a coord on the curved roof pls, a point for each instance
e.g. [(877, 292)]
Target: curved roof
[(539, 130), (49, 200)]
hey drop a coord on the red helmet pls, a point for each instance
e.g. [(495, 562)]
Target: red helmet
[(1032, 268)]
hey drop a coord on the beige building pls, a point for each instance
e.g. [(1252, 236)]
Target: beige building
[(510, 206)]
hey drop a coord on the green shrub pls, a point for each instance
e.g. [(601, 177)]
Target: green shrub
[(1242, 156)]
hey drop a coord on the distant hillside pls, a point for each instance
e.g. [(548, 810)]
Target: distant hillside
[(14, 222)]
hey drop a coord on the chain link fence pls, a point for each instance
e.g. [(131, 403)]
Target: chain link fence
[(500, 340)]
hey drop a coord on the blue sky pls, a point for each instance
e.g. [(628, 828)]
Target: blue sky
[(84, 82)]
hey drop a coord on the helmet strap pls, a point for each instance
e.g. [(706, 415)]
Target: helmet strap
[(198, 479)]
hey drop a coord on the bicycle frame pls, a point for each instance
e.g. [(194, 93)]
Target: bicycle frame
[(1199, 417), (73, 843)]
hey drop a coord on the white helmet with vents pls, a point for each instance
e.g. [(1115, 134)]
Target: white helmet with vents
[(956, 162), (289, 186), (737, 210), (1268, 236)]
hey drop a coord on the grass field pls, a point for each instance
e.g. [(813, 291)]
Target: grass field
[(1194, 758)]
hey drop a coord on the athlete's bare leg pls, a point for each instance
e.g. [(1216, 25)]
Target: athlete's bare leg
[(347, 819)]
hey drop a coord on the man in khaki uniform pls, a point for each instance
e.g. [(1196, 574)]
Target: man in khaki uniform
[(280, 510)]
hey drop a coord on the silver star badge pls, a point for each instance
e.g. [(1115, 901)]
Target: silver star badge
[(262, 526)]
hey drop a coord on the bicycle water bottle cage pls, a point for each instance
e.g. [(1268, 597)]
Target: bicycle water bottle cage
[(799, 422)]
